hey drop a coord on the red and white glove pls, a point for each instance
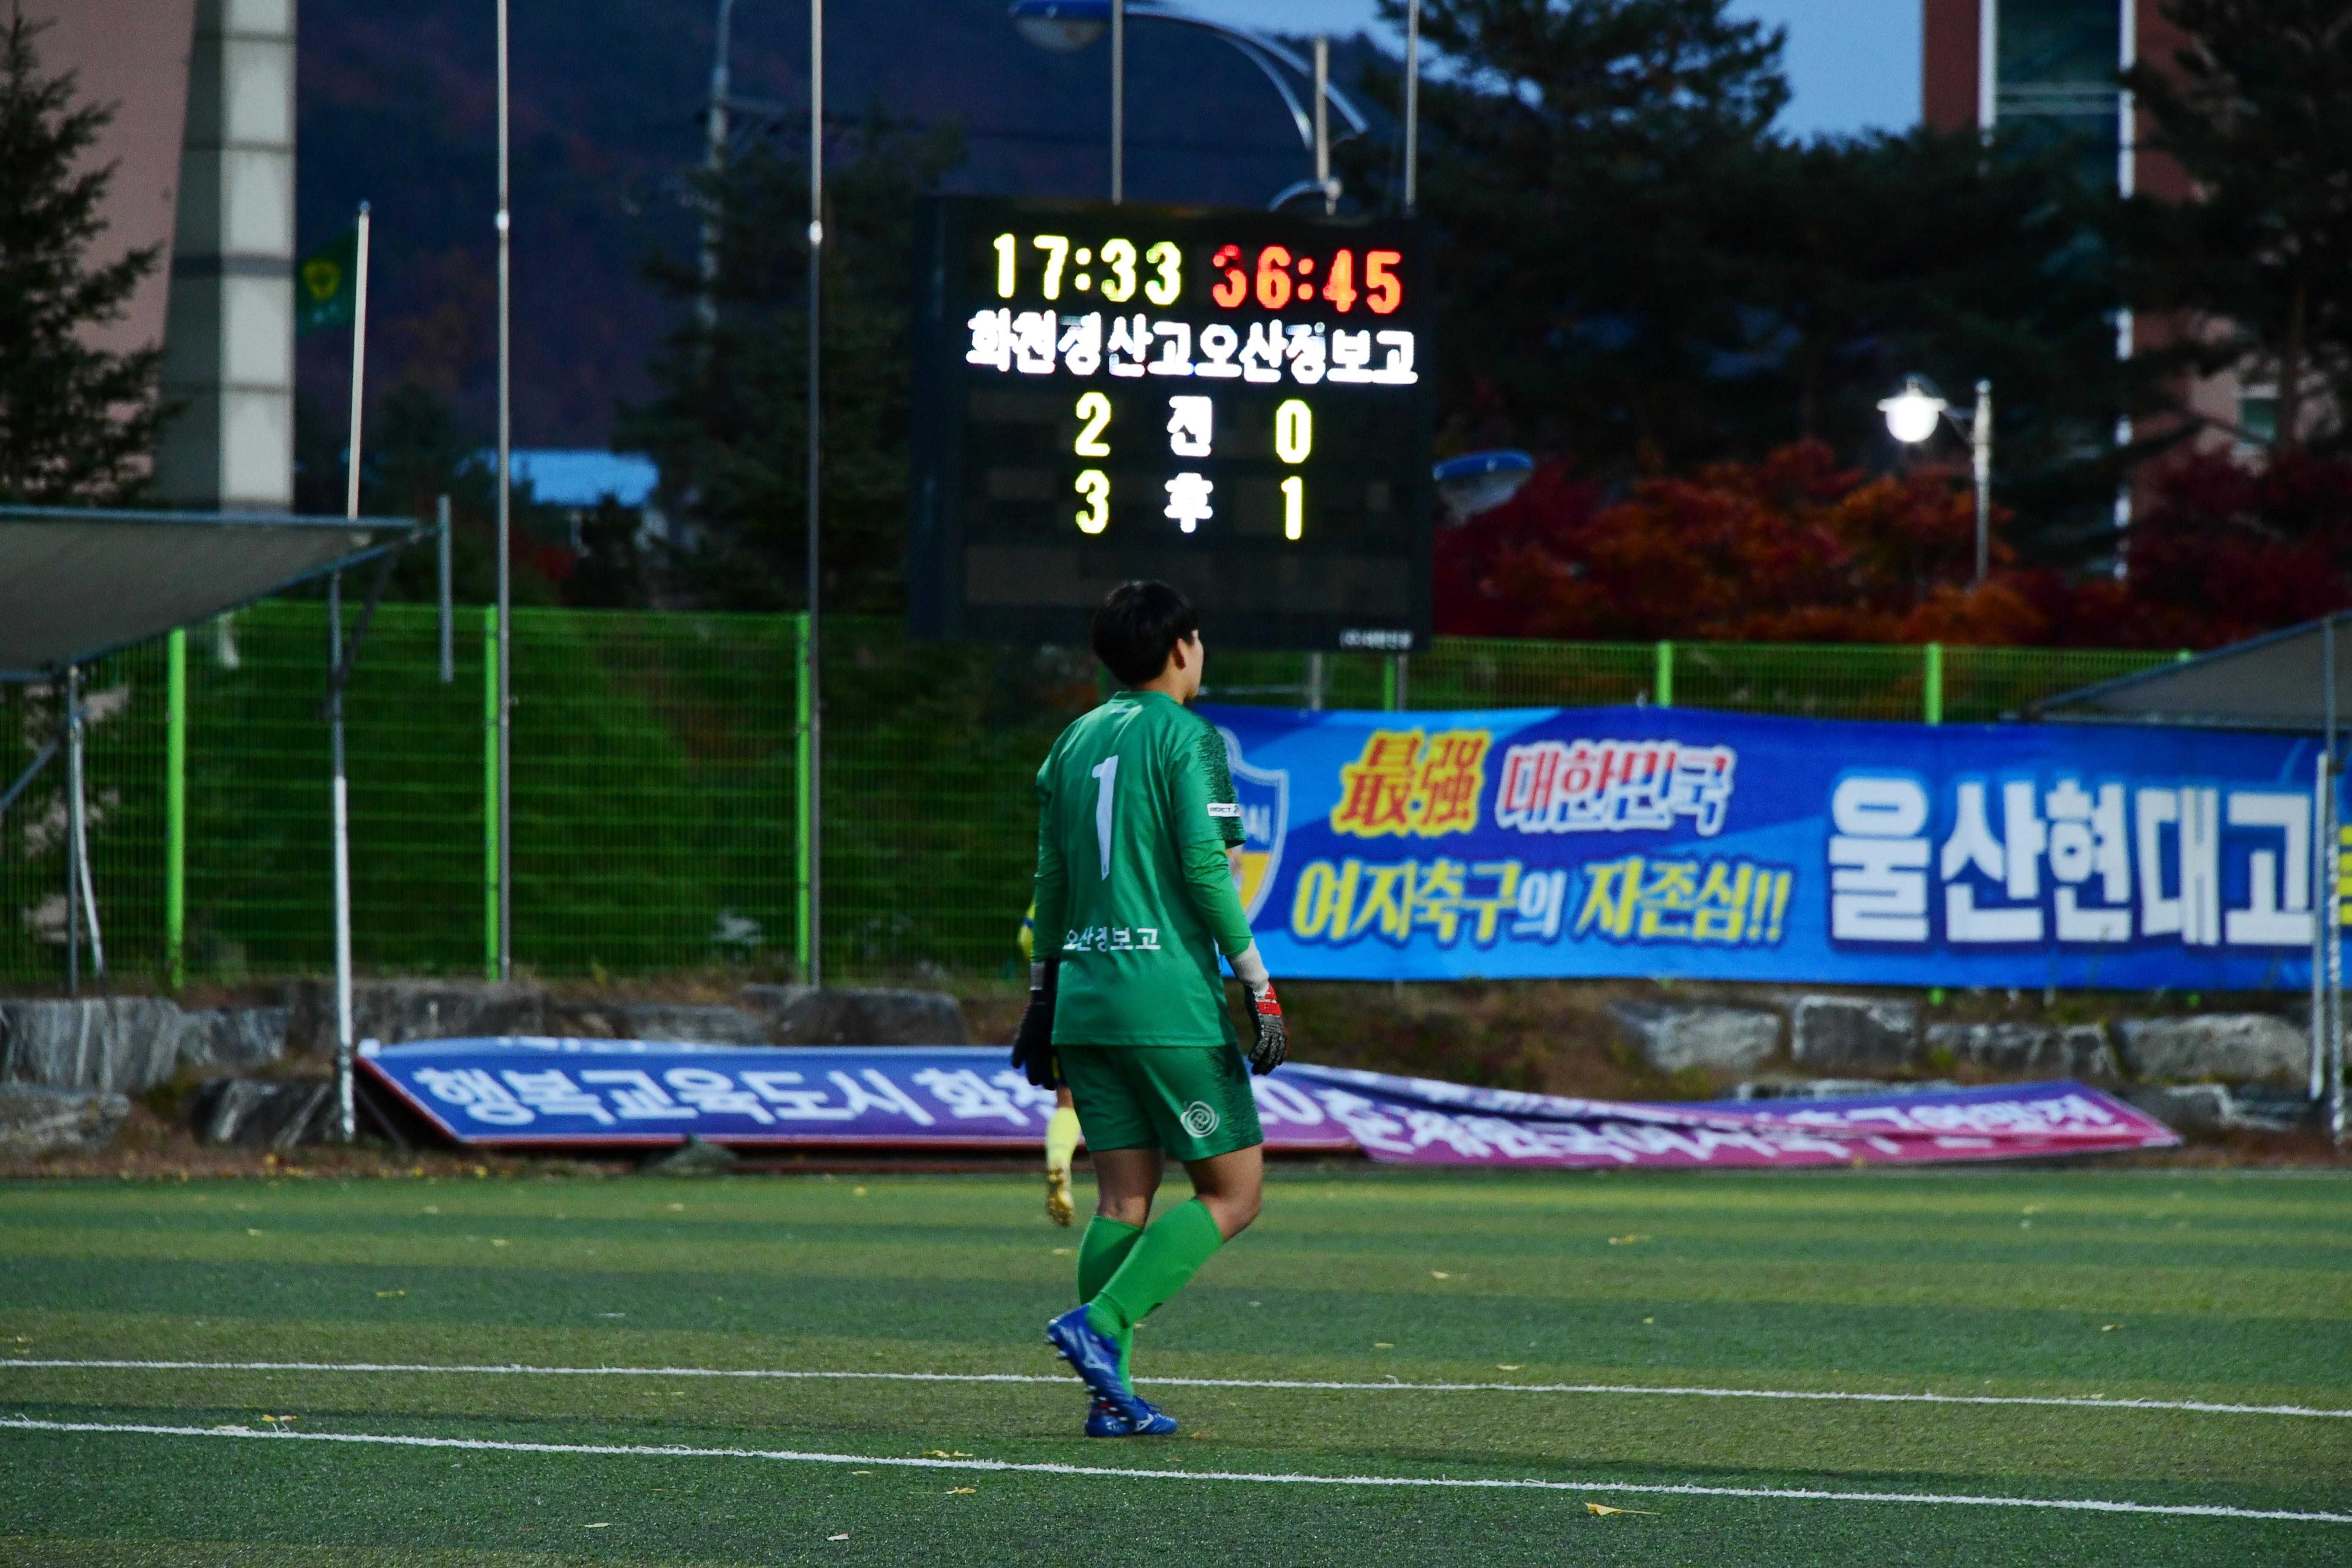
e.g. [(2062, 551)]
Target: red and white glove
[(1273, 1043)]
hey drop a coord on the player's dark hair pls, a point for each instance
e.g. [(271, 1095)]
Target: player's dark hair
[(1137, 627)]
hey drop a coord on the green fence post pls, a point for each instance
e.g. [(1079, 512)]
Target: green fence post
[(800, 823), (1388, 685), (175, 805), (1665, 680), (490, 791), (1931, 687)]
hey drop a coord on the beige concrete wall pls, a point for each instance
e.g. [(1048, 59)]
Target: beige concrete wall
[(132, 54), (229, 357)]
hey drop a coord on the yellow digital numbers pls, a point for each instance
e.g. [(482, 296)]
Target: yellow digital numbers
[(1294, 431), (1095, 486), (1057, 247), (1293, 439), (1094, 409), (1118, 255), (1169, 263), (1004, 254)]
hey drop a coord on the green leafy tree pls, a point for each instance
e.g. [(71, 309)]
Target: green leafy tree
[(77, 425), (1875, 256), (728, 426), (1568, 166), (416, 449), (2258, 112), (1635, 271)]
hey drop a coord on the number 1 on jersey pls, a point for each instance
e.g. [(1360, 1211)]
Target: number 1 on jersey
[(1105, 774)]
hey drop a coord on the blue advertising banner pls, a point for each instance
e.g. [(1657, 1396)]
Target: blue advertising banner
[(526, 1089), (1647, 842)]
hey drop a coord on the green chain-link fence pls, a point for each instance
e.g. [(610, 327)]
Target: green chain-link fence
[(656, 812)]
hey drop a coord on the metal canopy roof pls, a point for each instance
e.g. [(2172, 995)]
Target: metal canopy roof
[(2275, 682), (75, 583)]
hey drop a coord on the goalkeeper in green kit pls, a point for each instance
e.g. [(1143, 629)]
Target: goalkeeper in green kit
[(1136, 820)]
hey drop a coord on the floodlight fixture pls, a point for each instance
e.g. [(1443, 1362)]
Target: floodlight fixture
[(1062, 26)]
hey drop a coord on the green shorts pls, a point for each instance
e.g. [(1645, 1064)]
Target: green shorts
[(1194, 1101)]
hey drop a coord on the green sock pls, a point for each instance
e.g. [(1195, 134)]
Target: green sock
[(1101, 1250), (1169, 1254)]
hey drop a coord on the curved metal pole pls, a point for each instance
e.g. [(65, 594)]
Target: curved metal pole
[(1263, 53)]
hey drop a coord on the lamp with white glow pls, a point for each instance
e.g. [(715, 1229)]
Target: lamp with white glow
[(1912, 412)]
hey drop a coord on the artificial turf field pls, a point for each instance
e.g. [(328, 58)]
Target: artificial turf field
[(2224, 1288)]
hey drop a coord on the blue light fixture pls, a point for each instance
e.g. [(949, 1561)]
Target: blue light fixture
[(1480, 482)]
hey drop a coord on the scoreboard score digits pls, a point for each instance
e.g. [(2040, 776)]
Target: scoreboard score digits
[(1237, 403)]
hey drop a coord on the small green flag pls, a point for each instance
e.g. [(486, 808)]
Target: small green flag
[(325, 284)]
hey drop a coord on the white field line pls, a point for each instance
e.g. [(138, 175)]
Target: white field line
[(1805, 1494), (2197, 1406)]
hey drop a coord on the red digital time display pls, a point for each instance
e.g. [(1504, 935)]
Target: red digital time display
[(1274, 277)]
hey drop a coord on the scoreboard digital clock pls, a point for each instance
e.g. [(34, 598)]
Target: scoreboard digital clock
[(1237, 403)]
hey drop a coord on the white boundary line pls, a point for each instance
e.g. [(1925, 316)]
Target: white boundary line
[(1806, 1494), (2196, 1407)]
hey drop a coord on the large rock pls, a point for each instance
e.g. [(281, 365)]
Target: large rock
[(260, 1113), (1852, 1033), (35, 1120), (2237, 1047), (1672, 1037), (2074, 1050), (232, 1036), (396, 1010), (695, 1025), (1833, 1088), (807, 1015), (116, 1045), (695, 1157)]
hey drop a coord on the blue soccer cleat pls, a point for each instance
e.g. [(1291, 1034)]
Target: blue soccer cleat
[(1092, 1355), (1102, 1421)]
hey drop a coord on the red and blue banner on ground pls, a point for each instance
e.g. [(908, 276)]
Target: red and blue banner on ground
[(524, 1091)]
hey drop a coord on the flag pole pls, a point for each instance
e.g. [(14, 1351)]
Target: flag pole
[(345, 1123), (504, 805), (810, 644)]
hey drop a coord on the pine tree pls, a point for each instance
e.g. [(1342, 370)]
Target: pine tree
[(729, 422), (77, 424), (2258, 113)]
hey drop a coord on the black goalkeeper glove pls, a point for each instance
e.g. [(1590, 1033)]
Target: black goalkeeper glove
[(1273, 1043), (1033, 1045)]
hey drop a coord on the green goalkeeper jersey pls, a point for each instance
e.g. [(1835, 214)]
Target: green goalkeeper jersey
[(1135, 810)]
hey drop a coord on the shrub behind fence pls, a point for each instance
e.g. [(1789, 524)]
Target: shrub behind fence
[(656, 808)]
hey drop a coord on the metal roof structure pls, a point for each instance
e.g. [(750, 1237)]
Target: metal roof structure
[(76, 584), (2286, 680)]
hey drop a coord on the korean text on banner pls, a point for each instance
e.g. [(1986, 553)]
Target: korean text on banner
[(1566, 842)]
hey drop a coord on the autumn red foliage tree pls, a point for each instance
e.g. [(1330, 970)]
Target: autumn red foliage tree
[(1797, 549)]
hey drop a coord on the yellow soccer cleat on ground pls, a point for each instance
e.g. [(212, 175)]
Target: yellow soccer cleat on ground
[(1061, 1146)]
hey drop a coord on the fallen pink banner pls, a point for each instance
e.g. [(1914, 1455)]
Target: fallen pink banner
[(639, 1093), (1419, 1120)]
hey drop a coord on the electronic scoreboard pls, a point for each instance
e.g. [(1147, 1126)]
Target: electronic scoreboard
[(1237, 403)]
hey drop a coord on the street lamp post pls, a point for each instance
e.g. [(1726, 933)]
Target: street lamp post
[(1912, 415)]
